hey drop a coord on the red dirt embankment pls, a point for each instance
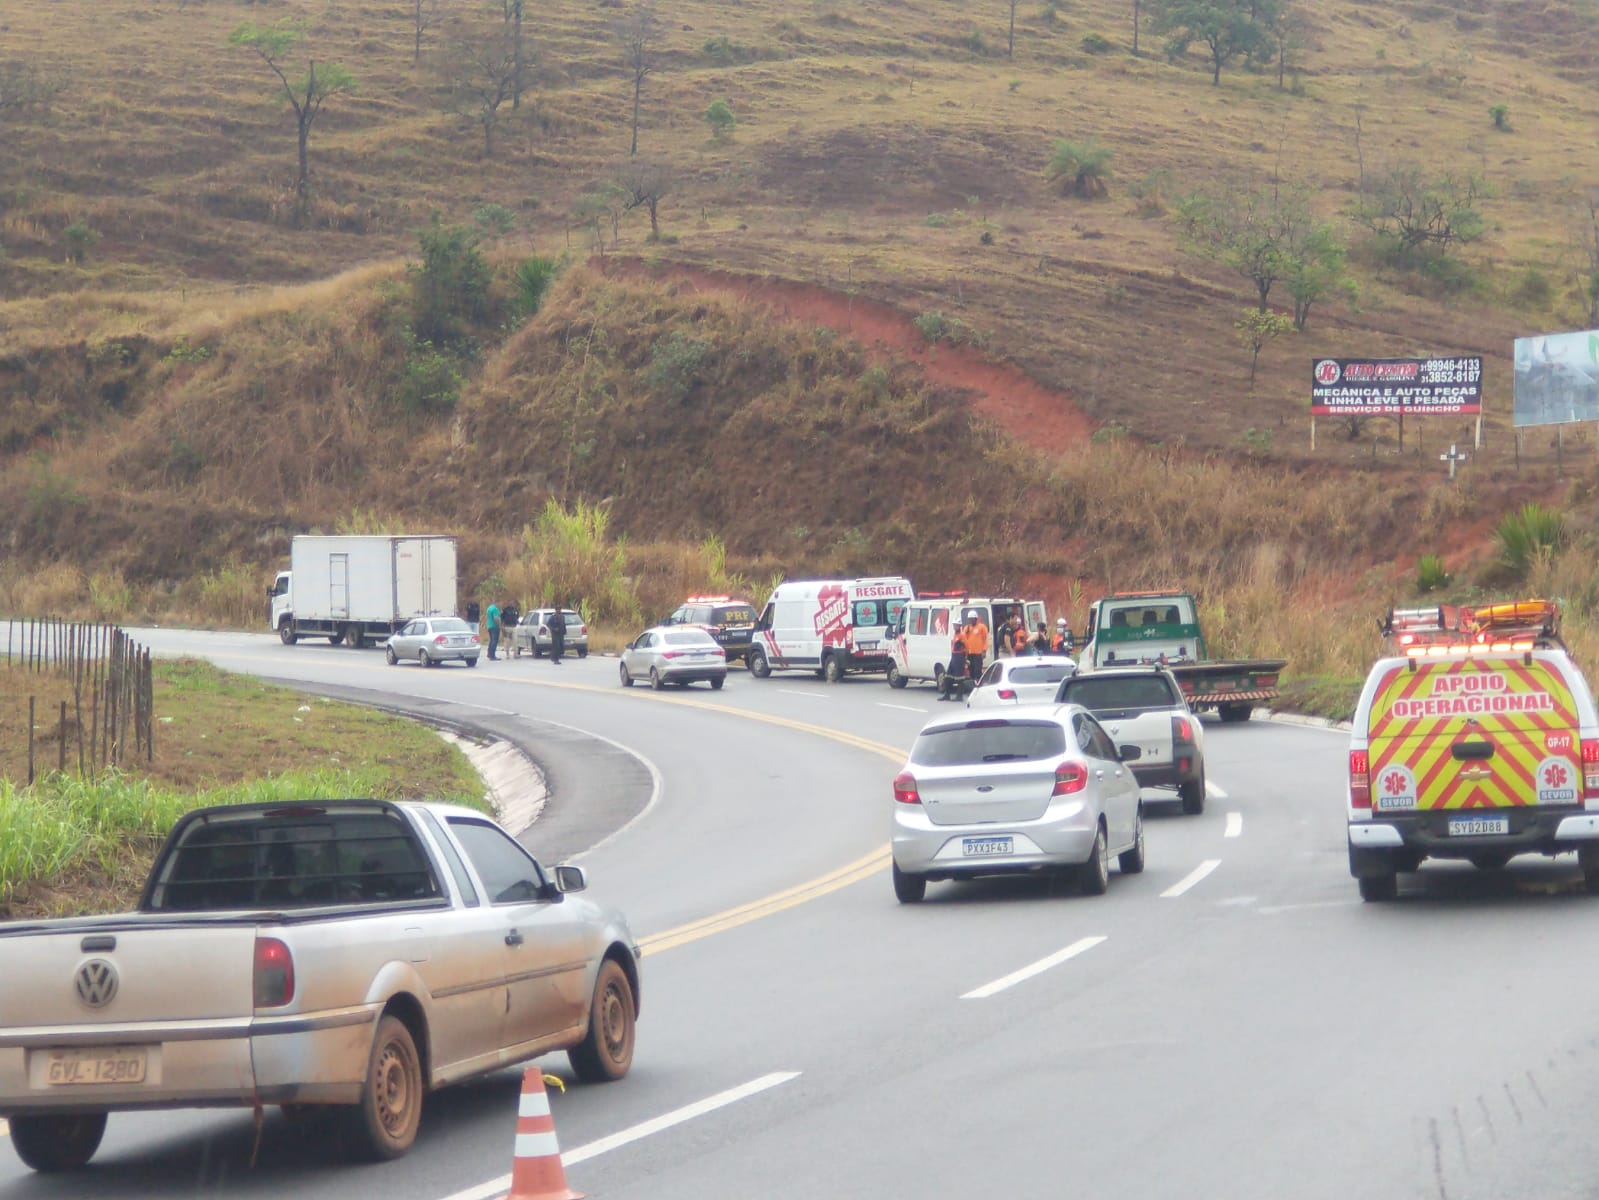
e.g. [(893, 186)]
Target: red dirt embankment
[(1042, 417)]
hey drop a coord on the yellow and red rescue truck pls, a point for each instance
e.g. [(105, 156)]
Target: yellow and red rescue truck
[(1476, 739)]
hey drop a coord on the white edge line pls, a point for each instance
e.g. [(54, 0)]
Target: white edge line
[(1037, 968), (633, 1133), (657, 786), (1189, 880), (1212, 790), (901, 707), (1235, 824), (797, 692)]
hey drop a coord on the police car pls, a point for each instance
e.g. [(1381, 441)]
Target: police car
[(730, 621)]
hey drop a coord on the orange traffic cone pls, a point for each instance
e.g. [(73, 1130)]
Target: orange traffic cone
[(536, 1171)]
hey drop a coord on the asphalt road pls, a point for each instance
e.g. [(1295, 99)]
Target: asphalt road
[(1231, 1023)]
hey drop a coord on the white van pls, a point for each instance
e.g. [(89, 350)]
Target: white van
[(830, 626), (919, 647)]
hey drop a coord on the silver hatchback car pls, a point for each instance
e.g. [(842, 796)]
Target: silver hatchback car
[(674, 654), (433, 640), (1032, 790)]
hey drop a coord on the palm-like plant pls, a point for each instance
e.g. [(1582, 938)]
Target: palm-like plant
[(1079, 168)]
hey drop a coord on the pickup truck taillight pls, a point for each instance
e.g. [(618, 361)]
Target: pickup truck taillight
[(1070, 777), (1360, 779), (1182, 743), (1590, 769), (274, 973), (905, 788)]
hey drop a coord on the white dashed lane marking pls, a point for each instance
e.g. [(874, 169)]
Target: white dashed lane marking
[(1190, 879), (901, 707), (1235, 824), (1214, 792), (807, 695), (1037, 968)]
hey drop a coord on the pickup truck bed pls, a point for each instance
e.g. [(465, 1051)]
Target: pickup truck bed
[(353, 953)]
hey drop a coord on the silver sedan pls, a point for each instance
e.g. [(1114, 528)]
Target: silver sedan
[(1031, 791), (674, 654), (433, 640)]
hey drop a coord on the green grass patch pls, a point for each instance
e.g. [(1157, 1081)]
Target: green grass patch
[(1330, 696)]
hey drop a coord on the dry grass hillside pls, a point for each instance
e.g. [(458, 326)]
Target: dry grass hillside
[(193, 364)]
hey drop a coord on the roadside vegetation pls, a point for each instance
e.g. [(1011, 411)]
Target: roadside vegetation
[(70, 845)]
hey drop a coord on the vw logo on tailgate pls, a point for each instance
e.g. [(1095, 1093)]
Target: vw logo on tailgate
[(97, 983)]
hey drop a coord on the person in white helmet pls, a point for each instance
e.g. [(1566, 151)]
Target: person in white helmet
[(1062, 643)]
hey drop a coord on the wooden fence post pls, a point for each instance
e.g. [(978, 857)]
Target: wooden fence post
[(32, 720)]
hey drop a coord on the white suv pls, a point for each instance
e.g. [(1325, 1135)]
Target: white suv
[(1144, 706)]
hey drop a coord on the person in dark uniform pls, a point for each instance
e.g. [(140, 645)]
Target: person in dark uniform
[(557, 624)]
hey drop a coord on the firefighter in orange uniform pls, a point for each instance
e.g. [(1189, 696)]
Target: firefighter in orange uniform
[(976, 644)]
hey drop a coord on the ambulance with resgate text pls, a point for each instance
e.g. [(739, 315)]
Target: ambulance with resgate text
[(833, 627), (1476, 739)]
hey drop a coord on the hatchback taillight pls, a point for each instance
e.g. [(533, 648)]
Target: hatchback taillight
[(1007, 693), (1590, 769), (1070, 777), (274, 973), (905, 788), (1359, 779)]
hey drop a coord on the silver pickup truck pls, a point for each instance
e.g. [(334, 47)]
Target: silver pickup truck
[(356, 953)]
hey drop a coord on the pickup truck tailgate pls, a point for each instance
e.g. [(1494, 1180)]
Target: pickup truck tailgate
[(114, 1015)]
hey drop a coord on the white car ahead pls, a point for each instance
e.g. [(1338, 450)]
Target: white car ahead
[(1011, 681), (1025, 790)]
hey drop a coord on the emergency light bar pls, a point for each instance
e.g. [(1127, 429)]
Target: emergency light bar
[(708, 600), (1439, 650)]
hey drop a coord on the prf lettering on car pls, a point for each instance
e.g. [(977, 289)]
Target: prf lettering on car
[(1496, 732)]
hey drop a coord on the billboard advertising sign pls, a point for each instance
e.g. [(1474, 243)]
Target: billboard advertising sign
[(1396, 387), (1557, 379)]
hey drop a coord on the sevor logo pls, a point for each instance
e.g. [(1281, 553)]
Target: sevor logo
[(1327, 371), (96, 983), (1557, 781)]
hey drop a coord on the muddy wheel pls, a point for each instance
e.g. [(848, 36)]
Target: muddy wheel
[(51, 1144), (354, 637), (607, 1051), (758, 665), (383, 1125)]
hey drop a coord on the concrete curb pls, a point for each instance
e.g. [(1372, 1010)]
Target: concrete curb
[(1308, 722), (516, 786)]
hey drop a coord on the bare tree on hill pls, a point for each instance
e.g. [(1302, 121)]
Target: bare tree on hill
[(273, 44), (513, 18), (645, 182), (481, 71), (424, 14), (640, 35)]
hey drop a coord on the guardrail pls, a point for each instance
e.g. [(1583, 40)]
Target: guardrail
[(111, 719)]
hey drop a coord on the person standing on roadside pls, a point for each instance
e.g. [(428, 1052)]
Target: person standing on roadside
[(954, 677), (1062, 642), (1040, 643), (557, 626), (976, 644), (492, 616)]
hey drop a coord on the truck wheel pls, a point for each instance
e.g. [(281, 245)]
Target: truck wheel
[(1234, 712), (355, 637), (286, 633), (607, 1051), (336, 638), (758, 665), (895, 679), (51, 1144), (383, 1125), (1131, 861), (908, 889), (1096, 871), (1192, 795), (1375, 889), (833, 668)]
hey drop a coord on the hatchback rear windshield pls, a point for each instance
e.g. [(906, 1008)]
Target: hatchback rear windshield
[(451, 625), (988, 742), (1099, 693), (689, 637), (1053, 673)]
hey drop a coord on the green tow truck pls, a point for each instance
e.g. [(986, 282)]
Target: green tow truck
[(1163, 627)]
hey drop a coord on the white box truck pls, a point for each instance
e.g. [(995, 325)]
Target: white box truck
[(363, 587)]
